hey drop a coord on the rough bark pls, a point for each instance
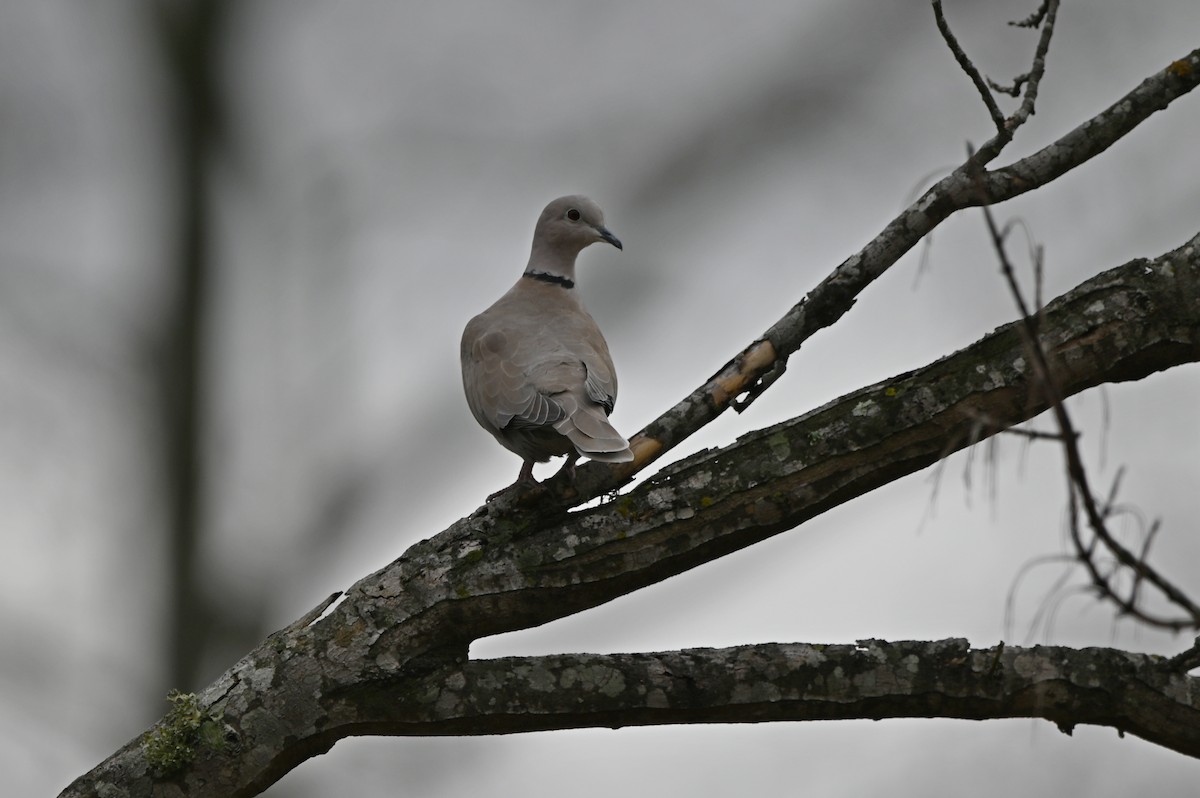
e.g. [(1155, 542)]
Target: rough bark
[(874, 679), (404, 630)]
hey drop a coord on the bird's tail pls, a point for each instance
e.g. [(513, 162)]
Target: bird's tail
[(593, 436)]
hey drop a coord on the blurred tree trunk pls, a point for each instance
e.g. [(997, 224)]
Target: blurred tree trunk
[(189, 33)]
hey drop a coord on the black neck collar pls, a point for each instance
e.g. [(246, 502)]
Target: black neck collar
[(546, 277)]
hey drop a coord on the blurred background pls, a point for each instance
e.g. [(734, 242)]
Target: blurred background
[(239, 242)]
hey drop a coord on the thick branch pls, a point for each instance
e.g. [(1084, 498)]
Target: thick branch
[(874, 679), (495, 573)]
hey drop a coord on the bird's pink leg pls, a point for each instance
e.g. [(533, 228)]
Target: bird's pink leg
[(568, 468), (524, 480)]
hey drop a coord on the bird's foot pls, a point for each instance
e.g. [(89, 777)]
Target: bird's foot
[(525, 482), (568, 468)]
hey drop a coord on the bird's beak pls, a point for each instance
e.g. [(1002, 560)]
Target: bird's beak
[(607, 235)]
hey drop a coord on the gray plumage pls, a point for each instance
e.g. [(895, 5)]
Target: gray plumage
[(536, 369)]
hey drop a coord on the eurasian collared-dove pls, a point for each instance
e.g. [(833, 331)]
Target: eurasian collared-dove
[(536, 369)]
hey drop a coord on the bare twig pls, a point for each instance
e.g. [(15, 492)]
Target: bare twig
[(960, 56), (1185, 660), (1048, 12), (1082, 498), (1026, 83), (996, 426), (1010, 600), (1143, 556), (1034, 19), (1111, 499), (1032, 434), (1013, 90)]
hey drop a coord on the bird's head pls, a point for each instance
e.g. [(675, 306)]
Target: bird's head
[(568, 224)]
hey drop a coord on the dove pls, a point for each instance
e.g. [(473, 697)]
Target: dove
[(536, 369)]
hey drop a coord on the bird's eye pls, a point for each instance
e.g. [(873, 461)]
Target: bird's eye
[(573, 215)]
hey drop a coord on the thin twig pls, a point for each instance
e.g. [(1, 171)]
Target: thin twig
[(993, 425), (1082, 498), (1013, 90), (960, 56), (1143, 556), (1112, 491), (1185, 660), (1048, 13), (1034, 19), (1010, 600), (1032, 434), (1029, 81)]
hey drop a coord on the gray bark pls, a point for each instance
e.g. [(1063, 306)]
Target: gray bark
[(875, 679)]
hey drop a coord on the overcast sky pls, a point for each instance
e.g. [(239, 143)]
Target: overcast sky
[(384, 166)]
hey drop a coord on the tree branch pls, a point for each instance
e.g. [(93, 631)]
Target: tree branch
[(753, 370), (797, 681), (494, 573), (512, 567)]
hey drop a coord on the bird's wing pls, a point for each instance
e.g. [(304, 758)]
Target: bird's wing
[(497, 379)]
